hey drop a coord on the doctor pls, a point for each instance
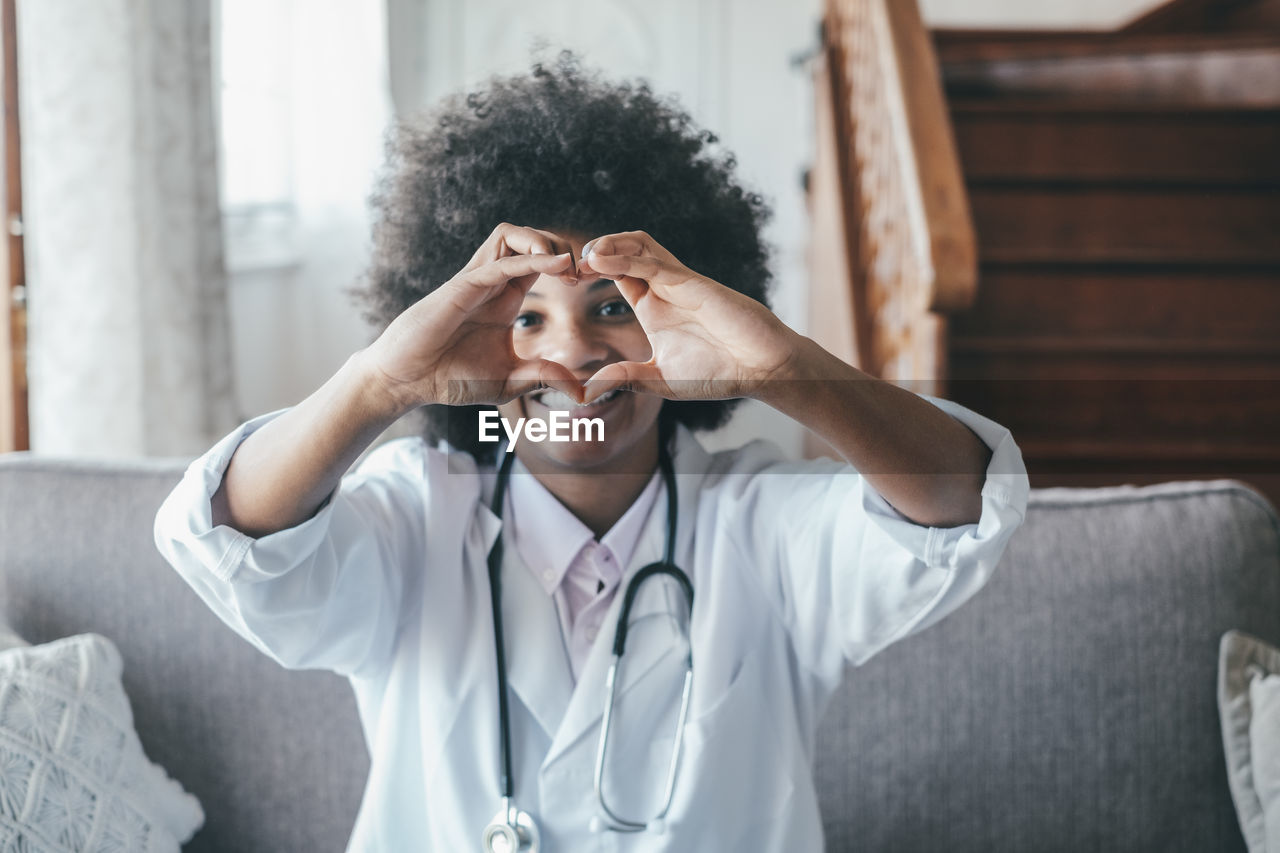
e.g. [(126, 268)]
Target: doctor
[(474, 611)]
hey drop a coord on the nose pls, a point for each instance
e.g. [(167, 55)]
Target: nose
[(576, 345)]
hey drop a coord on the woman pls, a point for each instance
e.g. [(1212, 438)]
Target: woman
[(393, 575)]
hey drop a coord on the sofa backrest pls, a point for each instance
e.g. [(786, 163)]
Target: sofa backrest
[(1072, 704), (276, 758)]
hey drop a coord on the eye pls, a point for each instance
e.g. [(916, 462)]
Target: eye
[(614, 308), (528, 318)]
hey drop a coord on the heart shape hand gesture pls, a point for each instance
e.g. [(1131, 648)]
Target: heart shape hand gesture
[(455, 345)]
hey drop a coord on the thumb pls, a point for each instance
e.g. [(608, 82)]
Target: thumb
[(532, 374), (644, 377)]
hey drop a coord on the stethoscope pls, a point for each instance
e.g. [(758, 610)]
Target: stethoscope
[(512, 829)]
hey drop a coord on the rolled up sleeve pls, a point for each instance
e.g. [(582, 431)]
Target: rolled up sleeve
[(848, 574), (967, 554), (324, 594)]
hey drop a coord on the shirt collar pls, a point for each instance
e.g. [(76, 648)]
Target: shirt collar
[(548, 536), (624, 536)]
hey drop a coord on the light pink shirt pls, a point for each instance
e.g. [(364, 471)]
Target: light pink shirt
[(580, 574)]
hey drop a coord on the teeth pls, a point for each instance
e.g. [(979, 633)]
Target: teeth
[(604, 398), (558, 400), (553, 399)]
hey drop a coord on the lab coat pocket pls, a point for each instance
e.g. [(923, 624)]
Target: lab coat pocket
[(732, 774)]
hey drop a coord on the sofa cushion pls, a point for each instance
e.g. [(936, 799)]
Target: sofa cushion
[(1071, 705)]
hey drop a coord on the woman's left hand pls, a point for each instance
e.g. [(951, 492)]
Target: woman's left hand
[(709, 342)]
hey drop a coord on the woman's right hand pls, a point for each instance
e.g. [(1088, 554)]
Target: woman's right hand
[(454, 345)]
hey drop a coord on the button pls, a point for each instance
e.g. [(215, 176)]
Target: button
[(548, 576)]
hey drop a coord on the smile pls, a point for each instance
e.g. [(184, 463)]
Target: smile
[(553, 399)]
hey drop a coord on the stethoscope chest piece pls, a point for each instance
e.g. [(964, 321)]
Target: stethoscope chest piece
[(511, 831)]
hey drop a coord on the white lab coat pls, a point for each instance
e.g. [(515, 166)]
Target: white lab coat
[(797, 569)]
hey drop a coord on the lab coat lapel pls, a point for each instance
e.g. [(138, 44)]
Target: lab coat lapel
[(537, 667), (645, 650)]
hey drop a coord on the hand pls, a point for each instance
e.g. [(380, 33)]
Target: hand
[(454, 345), (709, 342)]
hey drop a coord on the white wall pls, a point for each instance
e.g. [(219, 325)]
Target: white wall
[(1033, 14)]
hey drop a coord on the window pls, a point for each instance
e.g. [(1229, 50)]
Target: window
[(256, 117)]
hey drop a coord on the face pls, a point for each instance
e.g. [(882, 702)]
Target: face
[(584, 327)]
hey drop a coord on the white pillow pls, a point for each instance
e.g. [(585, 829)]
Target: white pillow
[(1264, 744), (73, 776), (1249, 705)]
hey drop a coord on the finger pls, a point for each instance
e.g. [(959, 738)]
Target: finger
[(533, 241), (632, 289), (637, 243), (532, 374), (652, 270), (644, 377), (472, 289), (560, 245), (508, 239)]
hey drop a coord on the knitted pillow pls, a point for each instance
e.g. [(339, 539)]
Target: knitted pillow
[(73, 776)]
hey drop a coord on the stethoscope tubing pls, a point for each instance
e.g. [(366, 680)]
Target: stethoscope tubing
[(667, 567), (495, 602)]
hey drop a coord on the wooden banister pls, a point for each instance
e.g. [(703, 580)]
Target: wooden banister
[(949, 227), (894, 249)]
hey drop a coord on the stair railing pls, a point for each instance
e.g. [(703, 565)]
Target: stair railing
[(894, 248)]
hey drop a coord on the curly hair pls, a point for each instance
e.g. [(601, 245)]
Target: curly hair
[(558, 148)]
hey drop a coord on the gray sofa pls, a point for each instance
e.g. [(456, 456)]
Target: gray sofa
[(1070, 707)]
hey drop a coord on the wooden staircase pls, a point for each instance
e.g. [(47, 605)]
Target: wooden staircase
[(1125, 190)]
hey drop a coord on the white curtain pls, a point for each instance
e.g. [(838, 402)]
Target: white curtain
[(129, 350), (305, 104)]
